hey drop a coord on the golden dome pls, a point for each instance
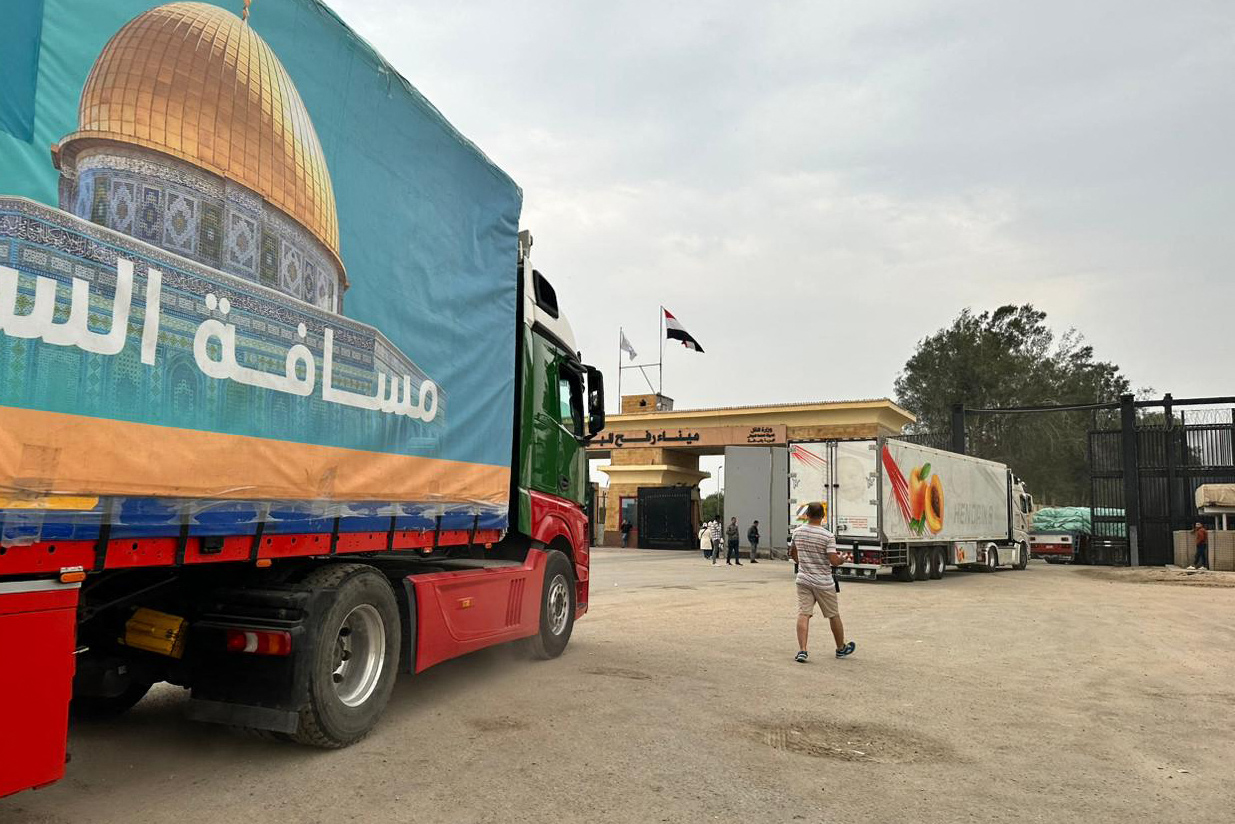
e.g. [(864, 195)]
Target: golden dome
[(194, 81)]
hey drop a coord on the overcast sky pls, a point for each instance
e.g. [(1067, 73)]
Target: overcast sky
[(812, 187)]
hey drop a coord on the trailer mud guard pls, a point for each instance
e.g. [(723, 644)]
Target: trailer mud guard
[(458, 612), (38, 621)]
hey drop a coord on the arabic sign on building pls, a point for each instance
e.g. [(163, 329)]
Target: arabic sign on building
[(252, 229), (711, 436)]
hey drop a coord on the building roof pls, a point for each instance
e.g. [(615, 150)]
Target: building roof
[(767, 407)]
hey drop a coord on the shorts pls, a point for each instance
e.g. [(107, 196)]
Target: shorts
[(825, 597)]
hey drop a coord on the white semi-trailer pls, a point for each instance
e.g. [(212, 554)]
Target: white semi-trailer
[(911, 510)]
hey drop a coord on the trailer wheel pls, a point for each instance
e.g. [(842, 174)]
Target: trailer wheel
[(992, 560), (919, 561), (103, 707), (1023, 560), (354, 659), (557, 609), (937, 564)]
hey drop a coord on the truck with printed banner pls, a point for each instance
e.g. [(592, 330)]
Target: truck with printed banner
[(911, 510), (285, 409)]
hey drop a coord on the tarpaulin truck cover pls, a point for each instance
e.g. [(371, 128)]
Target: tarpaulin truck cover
[(1215, 496), (242, 262)]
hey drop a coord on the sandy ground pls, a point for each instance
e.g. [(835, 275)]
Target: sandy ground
[(1054, 694), (1163, 575)]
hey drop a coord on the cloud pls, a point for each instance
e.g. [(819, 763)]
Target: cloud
[(812, 187)]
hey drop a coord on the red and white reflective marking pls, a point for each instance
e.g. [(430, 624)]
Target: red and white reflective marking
[(259, 641)]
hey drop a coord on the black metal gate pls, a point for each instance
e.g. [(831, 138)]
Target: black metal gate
[(1144, 487), (1146, 460), (664, 517)]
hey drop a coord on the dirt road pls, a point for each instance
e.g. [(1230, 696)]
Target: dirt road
[(1045, 695)]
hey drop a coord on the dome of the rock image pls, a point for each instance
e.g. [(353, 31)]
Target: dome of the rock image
[(192, 136)]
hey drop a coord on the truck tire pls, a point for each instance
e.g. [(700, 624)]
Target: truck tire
[(937, 564), (354, 659), (1023, 560), (103, 707), (919, 562), (992, 560), (557, 609)]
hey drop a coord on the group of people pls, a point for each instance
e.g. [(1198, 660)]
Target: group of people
[(710, 541)]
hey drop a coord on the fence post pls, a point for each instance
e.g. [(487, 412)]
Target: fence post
[(958, 428), (1132, 477), (1173, 490)]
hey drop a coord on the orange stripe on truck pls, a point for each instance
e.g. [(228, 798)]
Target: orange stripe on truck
[(53, 452)]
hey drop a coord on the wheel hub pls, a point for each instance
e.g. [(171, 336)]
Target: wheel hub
[(359, 655), (558, 604)]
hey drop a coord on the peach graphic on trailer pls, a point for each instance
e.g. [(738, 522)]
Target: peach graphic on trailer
[(917, 493), (934, 505), (925, 492)]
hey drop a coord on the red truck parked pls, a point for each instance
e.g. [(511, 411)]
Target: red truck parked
[(210, 474)]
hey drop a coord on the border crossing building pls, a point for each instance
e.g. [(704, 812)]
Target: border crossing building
[(652, 446)]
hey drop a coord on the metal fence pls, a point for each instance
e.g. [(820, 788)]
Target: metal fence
[(1172, 459), (935, 440), (1146, 459)]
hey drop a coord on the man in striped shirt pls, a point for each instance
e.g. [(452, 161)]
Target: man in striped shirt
[(813, 549)]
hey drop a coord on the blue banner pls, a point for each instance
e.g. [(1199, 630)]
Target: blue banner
[(253, 228)]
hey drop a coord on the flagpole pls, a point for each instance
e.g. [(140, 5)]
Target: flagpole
[(621, 336), (662, 351)]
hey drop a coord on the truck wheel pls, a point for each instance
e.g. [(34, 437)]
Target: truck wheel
[(354, 659), (557, 609), (919, 560), (102, 707), (992, 560), (1023, 560), (557, 614), (902, 573), (937, 564)]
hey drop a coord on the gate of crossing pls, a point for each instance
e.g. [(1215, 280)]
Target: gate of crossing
[(1146, 460)]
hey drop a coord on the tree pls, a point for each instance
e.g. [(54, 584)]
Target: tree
[(713, 506), (1010, 357)]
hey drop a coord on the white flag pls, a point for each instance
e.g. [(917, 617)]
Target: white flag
[(626, 347)]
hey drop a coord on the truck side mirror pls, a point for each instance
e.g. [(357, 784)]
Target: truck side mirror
[(595, 402)]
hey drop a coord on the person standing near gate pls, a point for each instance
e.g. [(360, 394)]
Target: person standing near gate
[(813, 549), (731, 537), (752, 536), (625, 527), (1201, 535), (714, 534)]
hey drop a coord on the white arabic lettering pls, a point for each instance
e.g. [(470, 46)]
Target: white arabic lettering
[(40, 321), (214, 342), (391, 400), (150, 325)]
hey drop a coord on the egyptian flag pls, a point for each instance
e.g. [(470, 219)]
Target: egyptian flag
[(675, 331)]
